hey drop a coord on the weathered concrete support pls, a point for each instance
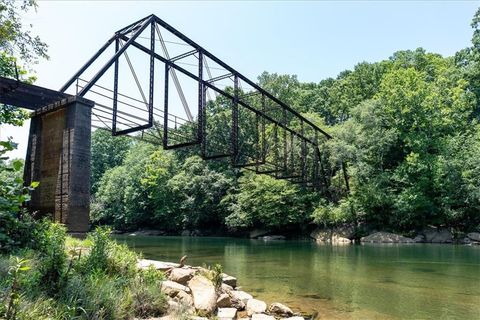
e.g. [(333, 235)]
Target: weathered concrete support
[(58, 156)]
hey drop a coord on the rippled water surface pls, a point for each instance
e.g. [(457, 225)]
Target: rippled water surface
[(340, 282)]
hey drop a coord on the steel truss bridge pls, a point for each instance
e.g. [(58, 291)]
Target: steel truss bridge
[(152, 82)]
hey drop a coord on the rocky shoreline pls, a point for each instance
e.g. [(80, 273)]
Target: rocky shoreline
[(198, 293), (346, 235)]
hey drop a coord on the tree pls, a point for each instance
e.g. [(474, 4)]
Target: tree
[(107, 152), (263, 201)]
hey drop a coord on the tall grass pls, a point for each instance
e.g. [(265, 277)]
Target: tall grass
[(91, 279)]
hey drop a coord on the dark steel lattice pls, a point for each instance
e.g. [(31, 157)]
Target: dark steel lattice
[(284, 144)]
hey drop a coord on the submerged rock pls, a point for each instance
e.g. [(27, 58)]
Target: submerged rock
[(256, 306), (385, 237), (280, 310), (204, 294)]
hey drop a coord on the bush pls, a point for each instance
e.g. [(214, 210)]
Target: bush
[(108, 256), (52, 257)]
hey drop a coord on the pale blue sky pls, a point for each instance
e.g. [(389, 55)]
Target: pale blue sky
[(312, 39)]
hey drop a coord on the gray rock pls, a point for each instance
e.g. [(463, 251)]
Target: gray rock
[(225, 288), (272, 238), (184, 298), (181, 275), (261, 316), (339, 235), (224, 301), (474, 236), (240, 296), (420, 238), (229, 280), (435, 235), (159, 265), (295, 318), (185, 233), (149, 232), (258, 233), (172, 288), (385, 237), (280, 310), (255, 306), (204, 294), (227, 313)]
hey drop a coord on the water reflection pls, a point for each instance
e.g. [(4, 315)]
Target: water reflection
[(340, 282)]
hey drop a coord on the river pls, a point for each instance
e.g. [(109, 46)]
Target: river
[(420, 281)]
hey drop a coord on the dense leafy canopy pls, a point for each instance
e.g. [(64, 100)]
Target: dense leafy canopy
[(406, 127)]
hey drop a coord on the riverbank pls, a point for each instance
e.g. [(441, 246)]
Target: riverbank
[(205, 293), (340, 236)]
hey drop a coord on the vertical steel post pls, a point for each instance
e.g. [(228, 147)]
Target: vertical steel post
[(234, 142), (165, 109), (115, 90), (152, 74), (201, 106), (285, 150)]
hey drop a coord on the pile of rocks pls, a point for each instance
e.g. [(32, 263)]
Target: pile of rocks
[(192, 295)]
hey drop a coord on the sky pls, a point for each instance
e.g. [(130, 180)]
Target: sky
[(311, 39)]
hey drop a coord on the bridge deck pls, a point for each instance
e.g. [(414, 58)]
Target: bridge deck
[(28, 96)]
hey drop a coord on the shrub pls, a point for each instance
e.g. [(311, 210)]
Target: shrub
[(50, 245)]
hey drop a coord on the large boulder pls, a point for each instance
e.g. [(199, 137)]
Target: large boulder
[(280, 310), (240, 296), (159, 265), (474, 236), (184, 298), (204, 294), (181, 275), (338, 235), (437, 235), (171, 288), (256, 306), (385, 237), (227, 314)]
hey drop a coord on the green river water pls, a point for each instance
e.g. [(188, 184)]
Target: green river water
[(418, 281)]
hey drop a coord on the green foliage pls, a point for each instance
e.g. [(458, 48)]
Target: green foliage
[(14, 37), (10, 307), (263, 201), (108, 152), (108, 256), (16, 225), (50, 247), (198, 191)]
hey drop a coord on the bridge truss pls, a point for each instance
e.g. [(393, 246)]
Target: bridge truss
[(151, 81)]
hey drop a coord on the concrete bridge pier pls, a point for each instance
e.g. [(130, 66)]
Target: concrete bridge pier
[(58, 156)]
